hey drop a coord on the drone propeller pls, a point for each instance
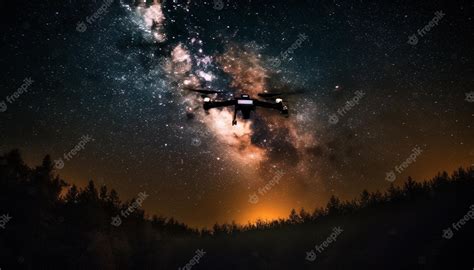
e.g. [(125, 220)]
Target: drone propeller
[(269, 95), (202, 90)]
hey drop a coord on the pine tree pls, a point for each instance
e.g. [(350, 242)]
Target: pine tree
[(334, 205), (71, 195), (364, 198), (294, 217), (113, 199), (305, 216), (103, 193)]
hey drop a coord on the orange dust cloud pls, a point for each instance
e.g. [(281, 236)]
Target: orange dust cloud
[(246, 69), (237, 138)]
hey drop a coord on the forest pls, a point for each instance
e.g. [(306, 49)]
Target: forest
[(46, 223)]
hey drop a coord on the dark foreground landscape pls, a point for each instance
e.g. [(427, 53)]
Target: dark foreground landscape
[(404, 227)]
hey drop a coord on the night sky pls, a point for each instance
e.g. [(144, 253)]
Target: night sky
[(118, 77)]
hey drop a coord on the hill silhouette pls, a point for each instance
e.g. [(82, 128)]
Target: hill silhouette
[(405, 227)]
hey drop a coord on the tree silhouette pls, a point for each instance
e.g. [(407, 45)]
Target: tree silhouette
[(294, 218), (75, 229), (334, 205)]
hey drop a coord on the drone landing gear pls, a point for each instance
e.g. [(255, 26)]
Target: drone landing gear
[(234, 121)]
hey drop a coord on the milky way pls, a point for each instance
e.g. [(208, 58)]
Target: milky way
[(249, 71)]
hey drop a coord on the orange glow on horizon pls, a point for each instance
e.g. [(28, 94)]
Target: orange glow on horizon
[(265, 213)]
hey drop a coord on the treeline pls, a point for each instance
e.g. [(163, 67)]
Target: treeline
[(56, 224), (41, 189), (405, 193), (51, 217)]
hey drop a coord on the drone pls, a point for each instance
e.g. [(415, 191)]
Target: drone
[(244, 104)]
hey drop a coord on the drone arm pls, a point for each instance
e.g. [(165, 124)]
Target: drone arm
[(277, 106), (270, 105), (216, 104)]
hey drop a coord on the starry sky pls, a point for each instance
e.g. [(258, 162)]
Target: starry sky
[(365, 89)]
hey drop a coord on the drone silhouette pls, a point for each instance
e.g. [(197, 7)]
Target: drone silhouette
[(244, 104)]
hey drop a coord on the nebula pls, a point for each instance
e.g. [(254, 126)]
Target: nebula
[(245, 66), (238, 139), (150, 18)]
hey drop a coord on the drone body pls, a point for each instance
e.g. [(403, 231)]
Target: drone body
[(244, 104)]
